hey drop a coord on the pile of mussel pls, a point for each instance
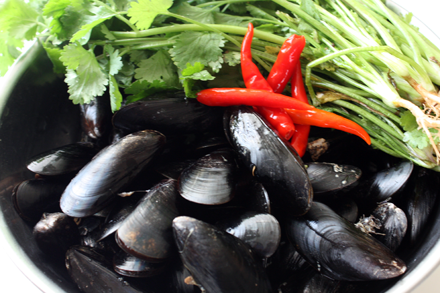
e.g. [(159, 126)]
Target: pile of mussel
[(169, 195)]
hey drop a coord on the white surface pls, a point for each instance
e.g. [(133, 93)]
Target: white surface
[(13, 281)]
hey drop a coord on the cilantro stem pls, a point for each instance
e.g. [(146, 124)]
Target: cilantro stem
[(127, 22), (220, 3), (231, 29), (205, 26)]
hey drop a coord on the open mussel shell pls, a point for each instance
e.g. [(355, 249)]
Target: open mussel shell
[(211, 179), (337, 249), (327, 177), (92, 272), (110, 170), (62, 160), (130, 266), (147, 233), (55, 233), (261, 232), (271, 160), (218, 261), (393, 225), (170, 116), (34, 197)]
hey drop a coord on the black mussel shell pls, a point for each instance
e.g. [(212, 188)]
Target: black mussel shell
[(337, 249), (130, 266), (169, 116), (113, 221), (218, 261), (419, 200), (343, 206), (271, 160), (92, 272), (393, 225), (180, 279), (147, 233), (385, 183), (261, 232), (327, 177), (55, 233), (96, 120), (110, 170), (34, 197), (173, 169), (211, 180), (62, 160)]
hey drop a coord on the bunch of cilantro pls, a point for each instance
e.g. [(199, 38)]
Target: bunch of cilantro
[(359, 55)]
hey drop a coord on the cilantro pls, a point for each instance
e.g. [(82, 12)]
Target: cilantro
[(208, 51), (158, 67), (143, 12), (416, 138), (232, 58), (192, 73), (19, 19), (193, 12), (84, 76), (99, 15), (140, 89), (54, 55)]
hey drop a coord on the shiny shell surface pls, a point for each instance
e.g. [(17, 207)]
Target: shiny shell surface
[(110, 170), (271, 160)]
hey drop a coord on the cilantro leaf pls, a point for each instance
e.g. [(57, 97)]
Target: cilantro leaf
[(192, 73), (196, 72), (194, 12), (232, 58), (115, 61), (140, 89), (158, 67), (8, 51), (209, 50), (143, 12), (416, 138), (99, 15), (19, 19), (54, 55), (84, 74)]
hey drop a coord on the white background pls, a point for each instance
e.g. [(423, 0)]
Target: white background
[(12, 280)]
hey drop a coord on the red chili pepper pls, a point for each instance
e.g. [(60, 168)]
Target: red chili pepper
[(225, 97), (321, 118), (237, 96), (301, 136), (253, 79), (252, 76), (285, 64)]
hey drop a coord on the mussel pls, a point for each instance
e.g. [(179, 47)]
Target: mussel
[(335, 247), (146, 233), (218, 261), (271, 160), (109, 171), (169, 116)]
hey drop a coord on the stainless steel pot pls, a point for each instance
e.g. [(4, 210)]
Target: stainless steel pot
[(36, 115)]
